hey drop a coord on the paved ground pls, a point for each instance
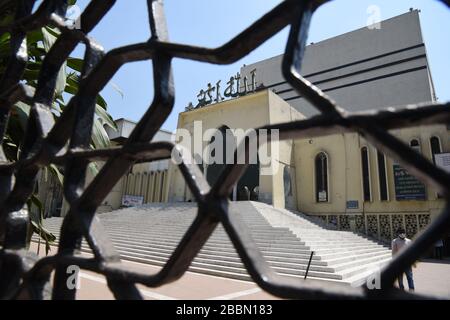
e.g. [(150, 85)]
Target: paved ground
[(430, 276), (190, 286)]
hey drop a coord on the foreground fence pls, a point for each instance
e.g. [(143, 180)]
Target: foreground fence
[(24, 276)]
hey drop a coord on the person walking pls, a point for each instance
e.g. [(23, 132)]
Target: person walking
[(438, 248), (399, 244)]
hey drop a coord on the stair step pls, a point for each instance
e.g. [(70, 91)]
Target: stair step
[(151, 233)]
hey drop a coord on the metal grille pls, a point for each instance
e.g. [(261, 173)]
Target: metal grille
[(66, 142)]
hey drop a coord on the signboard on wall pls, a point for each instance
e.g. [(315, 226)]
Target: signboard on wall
[(132, 201), (352, 204), (323, 196), (407, 187), (213, 94), (443, 161)]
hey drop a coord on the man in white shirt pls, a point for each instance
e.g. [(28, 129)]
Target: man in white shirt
[(399, 244)]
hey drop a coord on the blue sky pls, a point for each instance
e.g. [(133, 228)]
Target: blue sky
[(210, 23)]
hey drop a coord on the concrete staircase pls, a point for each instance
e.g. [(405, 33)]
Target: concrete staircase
[(149, 234)]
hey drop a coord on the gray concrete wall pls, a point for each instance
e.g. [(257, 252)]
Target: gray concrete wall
[(360, 70)]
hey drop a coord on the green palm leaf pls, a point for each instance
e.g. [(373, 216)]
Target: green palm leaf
[(39, 43)]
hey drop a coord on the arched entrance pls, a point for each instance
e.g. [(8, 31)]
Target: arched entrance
[(248, 186)]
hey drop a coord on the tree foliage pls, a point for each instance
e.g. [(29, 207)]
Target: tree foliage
[(38, 44)]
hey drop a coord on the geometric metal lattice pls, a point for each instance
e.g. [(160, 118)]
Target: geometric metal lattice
[(372, 226), (385, 228), (424, 220), (66, 143), (411, 225), (344, 222), (359, 224), (333, 220), (397, 223)]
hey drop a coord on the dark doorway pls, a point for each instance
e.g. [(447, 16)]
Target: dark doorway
[(248, 186), (214, 170)]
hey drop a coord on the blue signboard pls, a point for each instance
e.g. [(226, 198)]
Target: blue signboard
[(352, 204)]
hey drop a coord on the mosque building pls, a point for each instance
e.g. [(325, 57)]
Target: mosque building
[(341, 178)]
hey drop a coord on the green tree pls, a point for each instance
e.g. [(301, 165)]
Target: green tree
[(39, 43)]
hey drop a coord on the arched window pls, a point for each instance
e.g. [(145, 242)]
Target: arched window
[(415, 144), (321, 170), (382, 176), (435, 145), (365, 173)]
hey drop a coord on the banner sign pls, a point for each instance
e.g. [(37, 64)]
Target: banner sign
[(132, 201), (443, 161), (323, 196), (407, 187)]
